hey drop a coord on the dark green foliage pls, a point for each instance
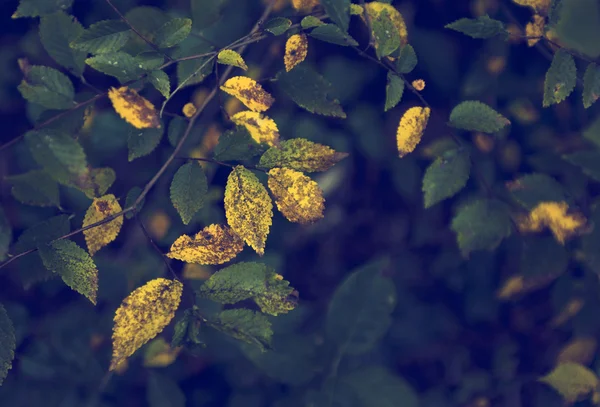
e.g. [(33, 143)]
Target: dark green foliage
[(310, 22), (5, 235), (473, 115), (393, 91), (132, 195), (561, 78), (591, 85), (333, 34), (237, 145), (7, 343), (193, 71), (42, 233), (173, 32), (103, 37), (278, 25), (163, 391), (142, 142), (245, 325), (188, 190), (35, 8), (35, 188), (176, 129), (160, 80), (57, 31), (386, 35), (588, 161), (47, 87), (338, 11), (446, 176), (543, 257), (121, 65), (407, 60), (532, 189), (206, 12), (480, 27)]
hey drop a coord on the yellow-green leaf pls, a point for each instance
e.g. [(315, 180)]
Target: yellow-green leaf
[(297, 197), (262, 128), (572, 380), (99, 236), (143, 315), (249, 92), (230, 57), (302, 155), (411, 128), (215, 244), (375, 9), (296, 49), (133, 108), (554, 216), (248, 208)]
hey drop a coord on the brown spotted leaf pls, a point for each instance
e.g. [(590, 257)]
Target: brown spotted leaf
[(249, 92), (411, 128), (215, 244), (133, 108), (301, 155), (262, 128), (99, 236), (297, 197), (296, 49)]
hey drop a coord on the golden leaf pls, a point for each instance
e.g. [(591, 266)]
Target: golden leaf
[(375, 8), (230, 57), (296, 49), (262, 128), (418, 84), (298, 197), (215, 244), (578, 350), (99, 236), (572, 380), (554, 216), (302, 155), (535, 28), (305, 5), (519, 285), (249, 92), (160, 354), (189, 109), (143, 315), (411, 129), (134, 109), (248, 208), (539, 6)]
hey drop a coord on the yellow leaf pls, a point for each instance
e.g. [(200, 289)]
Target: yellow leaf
[(262, 128), (572, 380), (189, 110), (535, 28), (99, 236), (578, 350), (518, 285), (160, 354), (249, 92), (418, 84), (296, 49), (554, 216), (539, 6), (143, 315), (248, 208), (305, 5), (375, 8), (298, 197), (215, 244), (356, 9), (230, 57), (411, 129), (134, 109)]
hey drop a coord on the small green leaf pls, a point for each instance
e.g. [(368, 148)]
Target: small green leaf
[(446, 176), (177, 127), (35, 188), (8, 343), (180, 331), (310, 91), (142, 142), (591, 85), (480, 27), (193, 71), (163, 391), (386, 34), (543, 256), (377, 386), (407, 61), (243, 281), (5, 234), (278, 25), (47, 87), (481, 225), (96, 183), (573, 381), (231, 57), (360, 310), (132, 195), (588, 161), (42, 233), (57, 30), (338, 11), (173, 32), (245, 325), (122, 66), (532, 189), (310, 22), (237, 145), (36, 8), (393, 91), (473, 115), (73, 264), (333, 34), (161, 82), (206, 12), (561, 78), (102, 37), (188, 190)]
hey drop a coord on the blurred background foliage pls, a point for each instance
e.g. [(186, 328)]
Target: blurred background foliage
[(445, 337)]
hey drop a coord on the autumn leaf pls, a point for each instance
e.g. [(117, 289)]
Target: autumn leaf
[(411, 128), (230, 57), (99, 236), (296, 49), (534, 29), (160, 354), (189, 110), (539, 6), (305, 5), (554, 216), (297, 197), (248, 208), (578, 350), (301, 155), (376, 8), (262, 128), (573, 381), (143, 315), (249, 92), (133, 108), (215, 244)]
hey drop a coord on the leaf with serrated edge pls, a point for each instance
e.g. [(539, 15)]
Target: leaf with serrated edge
[(57, 30), (473, 115), (103, 36), (249, 92), (231, 57), (297, 197), (411, 128), (446, 176), (262, 128), (296, 49), (215, 244), (244, 324), (133, 108), (561, 78), (188, 190), (301, 155), (100, 209), (572, 380)]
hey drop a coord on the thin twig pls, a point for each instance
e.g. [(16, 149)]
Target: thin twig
[(155, 246)]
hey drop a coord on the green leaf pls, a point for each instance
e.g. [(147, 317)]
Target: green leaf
[(592, 132), (573, 381), (149, 60), (142, 142), (386, 34), (231, 57), (338, 11), (122, 66), (446, 176), (310, 22), (561, 78), (360, 310), (60, 155), (177, 127), (277, 25), (57, 30), (310, 91), (161, 82), (163, 391), (103, 36), (588, 161), (47, 87), (481, 225), (8, 343), (132, 195), (473, 115), (180, 330), (36, 8), (173, 32), (480, 27), (96, 183), (70, 121), (237, 145), (377, 386), (206, 12), (245, 325), (407, 60), (393, 91), (554, 12), (147, 20), (243, 281), (188, 190), (42, 233), (542, 256), (73, 264), (5, 234), (35, 188), (333, 34), (193, 71), (591, 85), (532, 189)]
